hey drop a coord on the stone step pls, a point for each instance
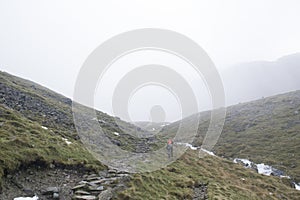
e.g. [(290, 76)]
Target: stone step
[(79, 186), (84, 197), (82, 192)]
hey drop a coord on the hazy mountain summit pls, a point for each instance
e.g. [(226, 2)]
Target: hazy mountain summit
[(253, 80)]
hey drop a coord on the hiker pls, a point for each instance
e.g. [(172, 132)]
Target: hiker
[(170, 148)]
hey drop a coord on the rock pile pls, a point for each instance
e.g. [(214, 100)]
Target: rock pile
[(200, 191), (101, 186)]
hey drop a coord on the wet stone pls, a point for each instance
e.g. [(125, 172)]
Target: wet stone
[(78, 186), (112, 171), (55, 196), (82, 192), (85, 197), (50, 190)]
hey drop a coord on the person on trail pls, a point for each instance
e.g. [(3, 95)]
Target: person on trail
[(170, 148)]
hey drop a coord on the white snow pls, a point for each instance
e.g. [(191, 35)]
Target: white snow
[(246, 162), (67, 141), (191, 146), (187, 145), (153, 129), (297, 186), (195, 148), (288, 177), (26, 198), (116, 133), (44, 127), (208, 152), (264, 169)]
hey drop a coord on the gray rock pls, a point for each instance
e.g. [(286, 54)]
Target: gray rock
[(85, 197), (106, 195), (122, 175), (112, 171), (50, 190), (92, 175), (82, 192), (102, 173), (78, 186), (55, 196), (83, 182), (99, 188), (97, 181), (28, 192), (92, 178)]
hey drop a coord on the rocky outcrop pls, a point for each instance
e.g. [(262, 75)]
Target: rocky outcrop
[(66, 184), (35, 107), (101, 186)]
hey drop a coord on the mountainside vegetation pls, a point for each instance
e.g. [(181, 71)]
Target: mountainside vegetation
[(264, 131), (37, 129), (35, 124)]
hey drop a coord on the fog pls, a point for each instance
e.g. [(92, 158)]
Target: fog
[(48, 41)]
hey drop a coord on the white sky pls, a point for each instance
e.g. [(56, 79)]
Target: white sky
[(47, 41)]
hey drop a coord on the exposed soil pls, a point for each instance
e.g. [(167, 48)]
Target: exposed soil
[(35, 180)]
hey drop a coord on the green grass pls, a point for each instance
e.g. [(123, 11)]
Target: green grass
[(264, 131), (24, 142), (225, 180)]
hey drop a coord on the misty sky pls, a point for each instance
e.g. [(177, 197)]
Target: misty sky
[(48, 41)]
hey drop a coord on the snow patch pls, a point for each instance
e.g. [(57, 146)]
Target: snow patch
[(187, 145), (264, 169), (288, 177), (297, 186), (247, 163), (153, 129), (195, 148), (208, 152), (67, 141), (26, 198), (116, 133), (44, 127)]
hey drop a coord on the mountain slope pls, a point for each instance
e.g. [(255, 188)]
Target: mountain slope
[(37, 129), (253, 80), (210, 177), (264, 131), (36, 124)]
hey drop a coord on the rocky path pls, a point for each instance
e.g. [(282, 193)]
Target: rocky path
[(63, 184), (100, 186)]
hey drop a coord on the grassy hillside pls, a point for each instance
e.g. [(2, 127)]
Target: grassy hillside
[(267, 131), (37, 128), (26, 106), (264, 131), (223, 179), (24, 142)]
